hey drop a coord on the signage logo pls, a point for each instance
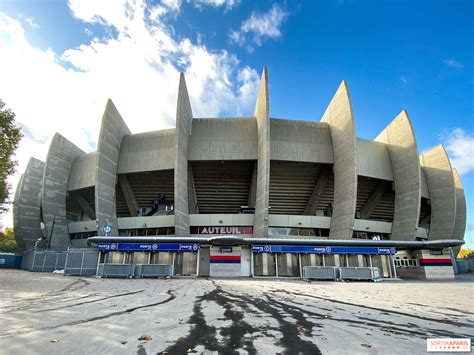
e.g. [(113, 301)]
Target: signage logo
[(328, 250), (113, 246), (266, 248), (195, 247), (221, 230), (107, 229), (448, 345), (154, 246)]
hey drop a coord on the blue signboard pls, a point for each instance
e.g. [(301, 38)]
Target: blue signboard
[(148, 247), (305, 249)]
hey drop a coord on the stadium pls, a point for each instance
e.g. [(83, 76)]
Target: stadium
[(243, 197)]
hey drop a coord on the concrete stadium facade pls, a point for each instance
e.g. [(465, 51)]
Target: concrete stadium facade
[(226, 182)]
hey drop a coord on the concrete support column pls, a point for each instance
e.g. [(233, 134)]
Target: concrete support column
[(373, 200), (61, 156), (112, 131), (262, 115), (88, 209), (253, 187), (313, 202), (402, 147), (340, 119), (441, 186), (127, 191), (184, 117), (193, 205), (460, 219), (27, 205)]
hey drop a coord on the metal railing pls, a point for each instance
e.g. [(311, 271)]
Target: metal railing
[(321, 272), (359, 273), (341, 273), (134, 270), (43, 260)]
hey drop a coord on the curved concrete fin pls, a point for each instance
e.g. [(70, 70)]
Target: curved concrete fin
[(340, 119), (439, 176), (401, 143), (27, 205), (461, 214), (262, 115), (112, 130), (184, 117), (61, 156), (17, 230)]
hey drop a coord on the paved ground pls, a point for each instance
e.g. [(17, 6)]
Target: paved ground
[(48, 313)]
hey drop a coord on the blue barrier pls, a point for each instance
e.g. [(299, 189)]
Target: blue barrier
[(10, 261)]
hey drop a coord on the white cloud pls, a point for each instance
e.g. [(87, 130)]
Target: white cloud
[(452, 63), (173, 5), (460, 147), (260, 26), (227, 4), (32, 23), (403, 79), (138, 69)]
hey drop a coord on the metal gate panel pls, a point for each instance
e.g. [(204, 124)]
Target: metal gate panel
[(359, 273), (321, 272)]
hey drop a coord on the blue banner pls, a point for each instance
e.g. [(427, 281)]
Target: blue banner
[(305, 249), (148, 247)]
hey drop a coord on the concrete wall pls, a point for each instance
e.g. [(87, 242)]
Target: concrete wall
[(17, 214), (184, 117), (401, 143), (300, 141), (112, 131), (82, 172), (284, 220), (27, 205), (373, 160), (341, 122), (61, 156), (149, 151), (223, 139), (439, 176), (221, 219), (262, 114), (461, 215), (424, 185)]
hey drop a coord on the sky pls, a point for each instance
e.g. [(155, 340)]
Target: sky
[(61, 60)]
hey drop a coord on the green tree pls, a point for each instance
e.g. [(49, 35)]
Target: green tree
[(7, 241), (10, 136)]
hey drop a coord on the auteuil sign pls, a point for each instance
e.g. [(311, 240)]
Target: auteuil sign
[(221, 230)]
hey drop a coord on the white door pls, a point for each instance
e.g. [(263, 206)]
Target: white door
[(245, 262)]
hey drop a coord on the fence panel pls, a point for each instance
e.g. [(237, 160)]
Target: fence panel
[(81, 262)]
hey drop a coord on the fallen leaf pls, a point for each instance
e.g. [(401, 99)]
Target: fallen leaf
[(145, 338), (54, 340), (366, 345), (123, 342)]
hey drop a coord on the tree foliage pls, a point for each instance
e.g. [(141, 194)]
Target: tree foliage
[(10, 136), (7, 241)]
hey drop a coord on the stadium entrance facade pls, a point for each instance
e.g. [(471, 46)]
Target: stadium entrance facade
[(231, 256), (245, 196)]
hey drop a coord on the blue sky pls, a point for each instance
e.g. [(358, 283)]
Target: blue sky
[(394, 55)]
